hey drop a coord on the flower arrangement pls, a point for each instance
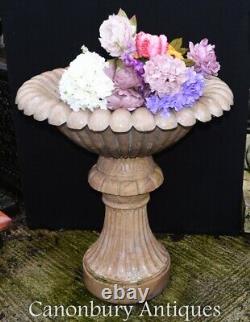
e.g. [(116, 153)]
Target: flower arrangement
[(146, 70)]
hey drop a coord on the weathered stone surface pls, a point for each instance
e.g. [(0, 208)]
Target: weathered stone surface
[(46, 266)]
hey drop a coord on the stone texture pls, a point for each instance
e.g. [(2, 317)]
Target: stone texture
[(46, 265), (42, 91)]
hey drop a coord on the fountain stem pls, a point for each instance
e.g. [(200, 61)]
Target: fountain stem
[(126, 254)]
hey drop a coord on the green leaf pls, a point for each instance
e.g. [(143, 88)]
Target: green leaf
[(119, 63), (133, 21), (188, 62), (112, 61), (183, 50), (176, 43), (122, 13)]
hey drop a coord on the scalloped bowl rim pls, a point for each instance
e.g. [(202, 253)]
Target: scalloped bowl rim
[(39, 97)]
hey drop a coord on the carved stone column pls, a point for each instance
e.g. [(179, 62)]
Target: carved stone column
[(126, 253)]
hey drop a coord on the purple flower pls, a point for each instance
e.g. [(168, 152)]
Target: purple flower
[(190, 92), (203, 55), (136, 64), (158, 104)]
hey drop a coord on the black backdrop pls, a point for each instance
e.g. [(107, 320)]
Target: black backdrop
[(203, 187)]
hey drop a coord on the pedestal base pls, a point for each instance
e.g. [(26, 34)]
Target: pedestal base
[(156, 284), (126, 255)]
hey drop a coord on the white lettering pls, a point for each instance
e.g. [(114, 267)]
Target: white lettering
[(217, 311), (159, 308), (119, 293), (207, 308), (131, 294), (185, 313), (71, 307), (106, 293), (143, 295), (59, 310), (145, 309), (81, 309), (128, 311), (94, 308), (31, 312), (47, 311)]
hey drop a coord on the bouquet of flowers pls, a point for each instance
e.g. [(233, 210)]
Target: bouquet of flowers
[(146, 70)]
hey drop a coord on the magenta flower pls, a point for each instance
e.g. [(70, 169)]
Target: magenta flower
[(203, 55)]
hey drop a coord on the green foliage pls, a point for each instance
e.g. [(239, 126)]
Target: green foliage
[(122, 13), (189, 62), (176, 43), (133, 21)]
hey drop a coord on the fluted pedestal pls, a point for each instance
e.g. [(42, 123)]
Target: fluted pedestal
[(126, 253)]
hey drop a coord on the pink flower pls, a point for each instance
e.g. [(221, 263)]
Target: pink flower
[(127, 93), (165, 74), (125, 98), (123, 76), (203, 55), (150, 45), (126, 77), (117, 35)]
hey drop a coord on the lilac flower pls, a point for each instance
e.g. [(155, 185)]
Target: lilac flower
[(128, 92), (125, 98), (203, 55), (165, 74), (158, 104), (190, 92), (123, 76), (126, 77)]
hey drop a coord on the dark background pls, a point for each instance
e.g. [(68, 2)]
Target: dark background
[(203, 172)]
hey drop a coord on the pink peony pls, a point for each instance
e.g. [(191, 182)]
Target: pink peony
[(127, 92), (123, 76), (125, 98), (204, 57), (126, 77), (150, 45), (165, 74), (117, 35)]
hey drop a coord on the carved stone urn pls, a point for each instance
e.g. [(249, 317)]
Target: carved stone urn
[(126, 254)]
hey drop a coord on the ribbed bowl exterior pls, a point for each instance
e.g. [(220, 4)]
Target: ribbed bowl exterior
[(125, 145)]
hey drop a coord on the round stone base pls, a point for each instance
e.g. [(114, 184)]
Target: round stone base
[(155, 284)]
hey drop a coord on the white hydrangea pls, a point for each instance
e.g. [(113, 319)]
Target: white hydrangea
[(84, 85)]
